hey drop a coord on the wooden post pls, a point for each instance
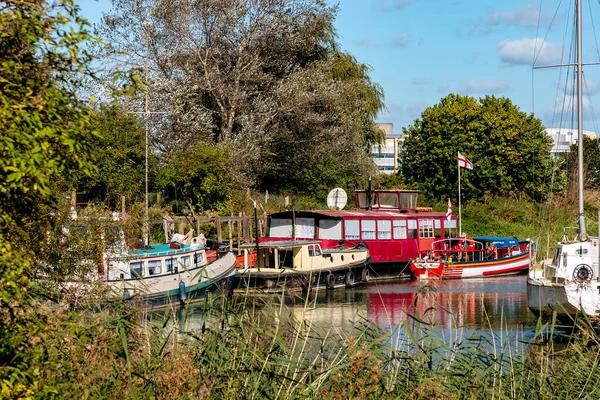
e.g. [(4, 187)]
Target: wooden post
[(218, 225), (123, 204), (239, 230), (230, 228), (158, 199)]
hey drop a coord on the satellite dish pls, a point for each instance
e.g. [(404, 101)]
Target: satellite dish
[(336, 199)]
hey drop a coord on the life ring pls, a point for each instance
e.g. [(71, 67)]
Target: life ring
[(583, 273), (349, 278), (364, 277), (330, 281)]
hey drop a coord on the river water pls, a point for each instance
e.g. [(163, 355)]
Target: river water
[(487, 305)]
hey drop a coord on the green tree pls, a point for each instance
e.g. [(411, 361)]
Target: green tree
[(508, 148), (119, 156), (591, 164), (202, 176), (265, 78), (45, 141)]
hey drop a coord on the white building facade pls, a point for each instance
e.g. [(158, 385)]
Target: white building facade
[(386, 156), (564, 138)]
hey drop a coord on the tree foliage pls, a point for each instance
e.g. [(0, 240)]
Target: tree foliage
[(591, 164), (202, 176), (119, 157), (264, 77), (508, 148), (45, 139)]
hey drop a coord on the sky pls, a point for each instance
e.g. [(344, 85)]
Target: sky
[(420, 51)]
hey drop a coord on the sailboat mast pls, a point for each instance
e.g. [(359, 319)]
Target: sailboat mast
[(582, 231)]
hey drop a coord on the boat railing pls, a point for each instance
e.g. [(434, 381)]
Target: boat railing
[(440, 251)]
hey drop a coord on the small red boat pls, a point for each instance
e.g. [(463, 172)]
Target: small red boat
[(478, 257)]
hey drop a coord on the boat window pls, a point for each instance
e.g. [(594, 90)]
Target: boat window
[(368, 229), (311, 251), (330, 229), (581, 251), (352, 229), (384, 229), (317, 250), (169, 264), (408, 200), (564, 261), (185, 261), (136, 269), (388, 200), (305, 228), (399, 229), (412, 228), (426, 228), (198, 258), (363, 200), (154, 267), (280, 228), (286, 258)]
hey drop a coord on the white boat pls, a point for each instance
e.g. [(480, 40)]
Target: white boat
[(569, 282), (155, 276), (295, 265)]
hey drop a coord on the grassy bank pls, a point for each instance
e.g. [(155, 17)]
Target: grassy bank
[(259, 349)]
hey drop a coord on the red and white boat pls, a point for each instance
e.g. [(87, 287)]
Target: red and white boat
[(487, 256)]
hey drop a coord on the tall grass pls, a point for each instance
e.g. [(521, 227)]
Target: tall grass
[(259, 348)]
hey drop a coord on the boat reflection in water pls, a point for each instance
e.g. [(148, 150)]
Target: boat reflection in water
[(454, 308), (497, 305)]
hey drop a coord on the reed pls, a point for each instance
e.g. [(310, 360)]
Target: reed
[(262, 348)]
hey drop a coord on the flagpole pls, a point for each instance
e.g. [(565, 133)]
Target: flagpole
[(459, 203)]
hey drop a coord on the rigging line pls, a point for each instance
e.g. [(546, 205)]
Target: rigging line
[(537, 31), (594, 28), (591, 104), (536, 56)]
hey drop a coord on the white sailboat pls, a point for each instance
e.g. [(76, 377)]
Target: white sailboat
[(569, 282)]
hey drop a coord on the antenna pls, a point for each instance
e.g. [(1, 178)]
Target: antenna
[(336, 199)]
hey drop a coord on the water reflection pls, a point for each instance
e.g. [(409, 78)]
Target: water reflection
[(489, 304)]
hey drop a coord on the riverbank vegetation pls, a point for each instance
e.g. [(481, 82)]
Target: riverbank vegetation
[(273, 106), (235, 350)]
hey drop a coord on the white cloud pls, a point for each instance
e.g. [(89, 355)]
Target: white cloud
[(526, 15), (401, 40), (395, 5), (590, 87), (522, 51), (472, 86)]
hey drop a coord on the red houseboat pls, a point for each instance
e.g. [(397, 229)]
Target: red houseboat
[(387, 222)]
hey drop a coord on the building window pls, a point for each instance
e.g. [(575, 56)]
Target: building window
[(368, 229), (384, 229), (399, 229), (311, 251)]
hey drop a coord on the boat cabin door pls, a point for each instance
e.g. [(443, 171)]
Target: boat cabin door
[(426, 234)]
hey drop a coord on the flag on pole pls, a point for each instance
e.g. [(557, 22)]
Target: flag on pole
[(463, 162), (449, 212)]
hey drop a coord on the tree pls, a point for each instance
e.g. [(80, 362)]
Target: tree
[(591, 164), (119, 156), (45, 140), (202, 176), (509, 150), (264, 77)]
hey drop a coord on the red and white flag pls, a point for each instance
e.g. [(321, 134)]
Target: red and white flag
[(463, 162), (449, 212)]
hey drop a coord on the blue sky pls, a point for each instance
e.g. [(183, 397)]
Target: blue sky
[(422, 50)]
